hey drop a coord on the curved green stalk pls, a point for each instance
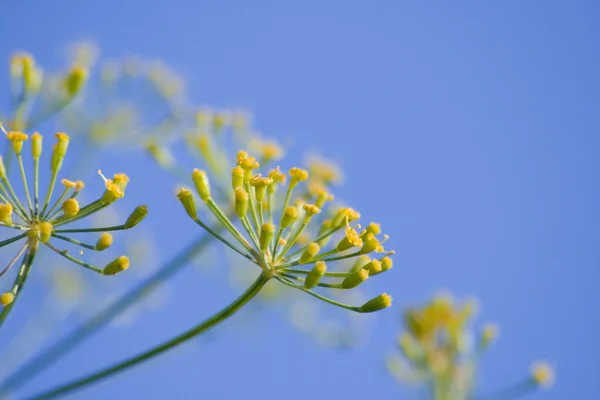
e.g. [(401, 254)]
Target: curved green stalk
[(102, 318), (155, 351), (20, 279)]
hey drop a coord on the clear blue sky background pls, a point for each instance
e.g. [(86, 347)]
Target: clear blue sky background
[(469, 129)]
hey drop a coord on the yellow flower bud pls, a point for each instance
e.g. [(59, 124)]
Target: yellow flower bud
[(62, 144), (74, 81), (70, 208), (542, 374), (260, 186), (241, 202), (239, 157), (17, 139), (310, 210), (68, 184), (355, 279), (277, 176), (6, 299), (104, 242), (248, 164), (373, 228), (315, 275), (352, 239), (45, 231), (160, 154), (36, 145), (202, 186), (370, 244), (297, 175), (488, 333), (116, 266), (32, 76), (237, 177), (344, 215), (266, 235), (79, 185), (136, 216), (374, 267), (322, 198), (378, 303), (289, 216), (311, 251), (186, 198), (6, 211), (386, 263), (270, 151), (115, 188)]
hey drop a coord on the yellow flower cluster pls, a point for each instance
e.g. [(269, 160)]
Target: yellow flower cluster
[(272, 221)]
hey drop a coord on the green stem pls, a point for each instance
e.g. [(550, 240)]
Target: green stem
[(285, 281), (155, 351), (102, 318), (20, 280)]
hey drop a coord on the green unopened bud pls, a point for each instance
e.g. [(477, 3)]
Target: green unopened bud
[(237, 177), (289, 216), (378, 303), (55, 161), (136, 216), (104, 242), (74, 81), (32, 76), (186, 198), (311, 251), (45, 231), (410, 347), (266, 235), (360, 262), (202, 186), (36, 145), (116, 266), (355, 279), (6, 298), (241, 202), (374, 267), (160, 154), (315, 275)]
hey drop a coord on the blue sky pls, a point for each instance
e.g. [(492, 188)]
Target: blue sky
[(470, 130)]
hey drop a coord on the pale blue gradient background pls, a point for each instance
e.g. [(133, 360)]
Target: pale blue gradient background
[(469, 129)]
